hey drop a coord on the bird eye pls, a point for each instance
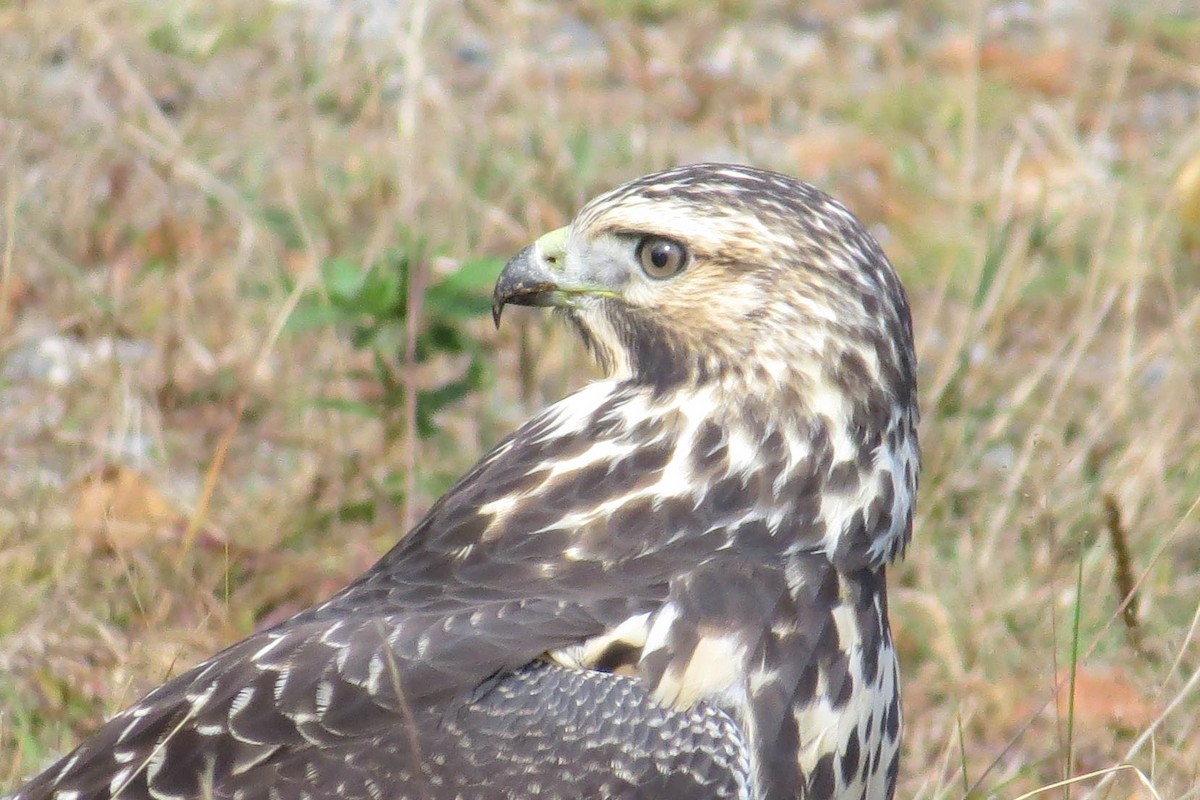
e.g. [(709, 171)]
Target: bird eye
[(661, 258)]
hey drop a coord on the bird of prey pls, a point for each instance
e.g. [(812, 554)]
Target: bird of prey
[(669, 584)]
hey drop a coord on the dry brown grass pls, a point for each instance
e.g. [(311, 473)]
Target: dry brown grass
[(173, 175)]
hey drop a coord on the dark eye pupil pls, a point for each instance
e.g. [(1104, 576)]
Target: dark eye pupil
[(660, 258)]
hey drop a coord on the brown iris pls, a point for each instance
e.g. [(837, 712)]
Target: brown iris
[(661, 258)]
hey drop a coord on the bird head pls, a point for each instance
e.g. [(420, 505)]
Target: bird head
[(768, 298), (718, 272)]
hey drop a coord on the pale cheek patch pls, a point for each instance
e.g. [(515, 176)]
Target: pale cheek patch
[(696, 297)]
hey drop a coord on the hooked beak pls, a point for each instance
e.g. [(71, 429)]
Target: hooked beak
[(524, 281), (535, 276)]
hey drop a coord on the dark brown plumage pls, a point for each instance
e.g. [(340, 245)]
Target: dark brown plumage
[(668, 584)]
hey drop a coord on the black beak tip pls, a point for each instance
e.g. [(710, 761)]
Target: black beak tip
[(520, 281)]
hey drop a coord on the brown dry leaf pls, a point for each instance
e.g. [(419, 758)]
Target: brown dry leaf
[(163, 241), (1106, 698), (118, 507), (1106, 701), (170, 239), (823, 152), (864, 164), (1049, 71), (955, 53), (15, 293)]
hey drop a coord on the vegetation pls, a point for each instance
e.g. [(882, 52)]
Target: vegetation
[(245, 250)]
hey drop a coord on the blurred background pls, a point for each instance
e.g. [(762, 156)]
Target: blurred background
[(246, 250)]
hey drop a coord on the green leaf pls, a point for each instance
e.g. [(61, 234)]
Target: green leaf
[(310, 314), (284, 225), (381, 293), (478, 275), (343, 279), (361, 511), (466, 292), (440, 336), (356, 407), (456, 305), (434, 400)]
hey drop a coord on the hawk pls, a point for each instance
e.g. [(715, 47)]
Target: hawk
[(669, 584)]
